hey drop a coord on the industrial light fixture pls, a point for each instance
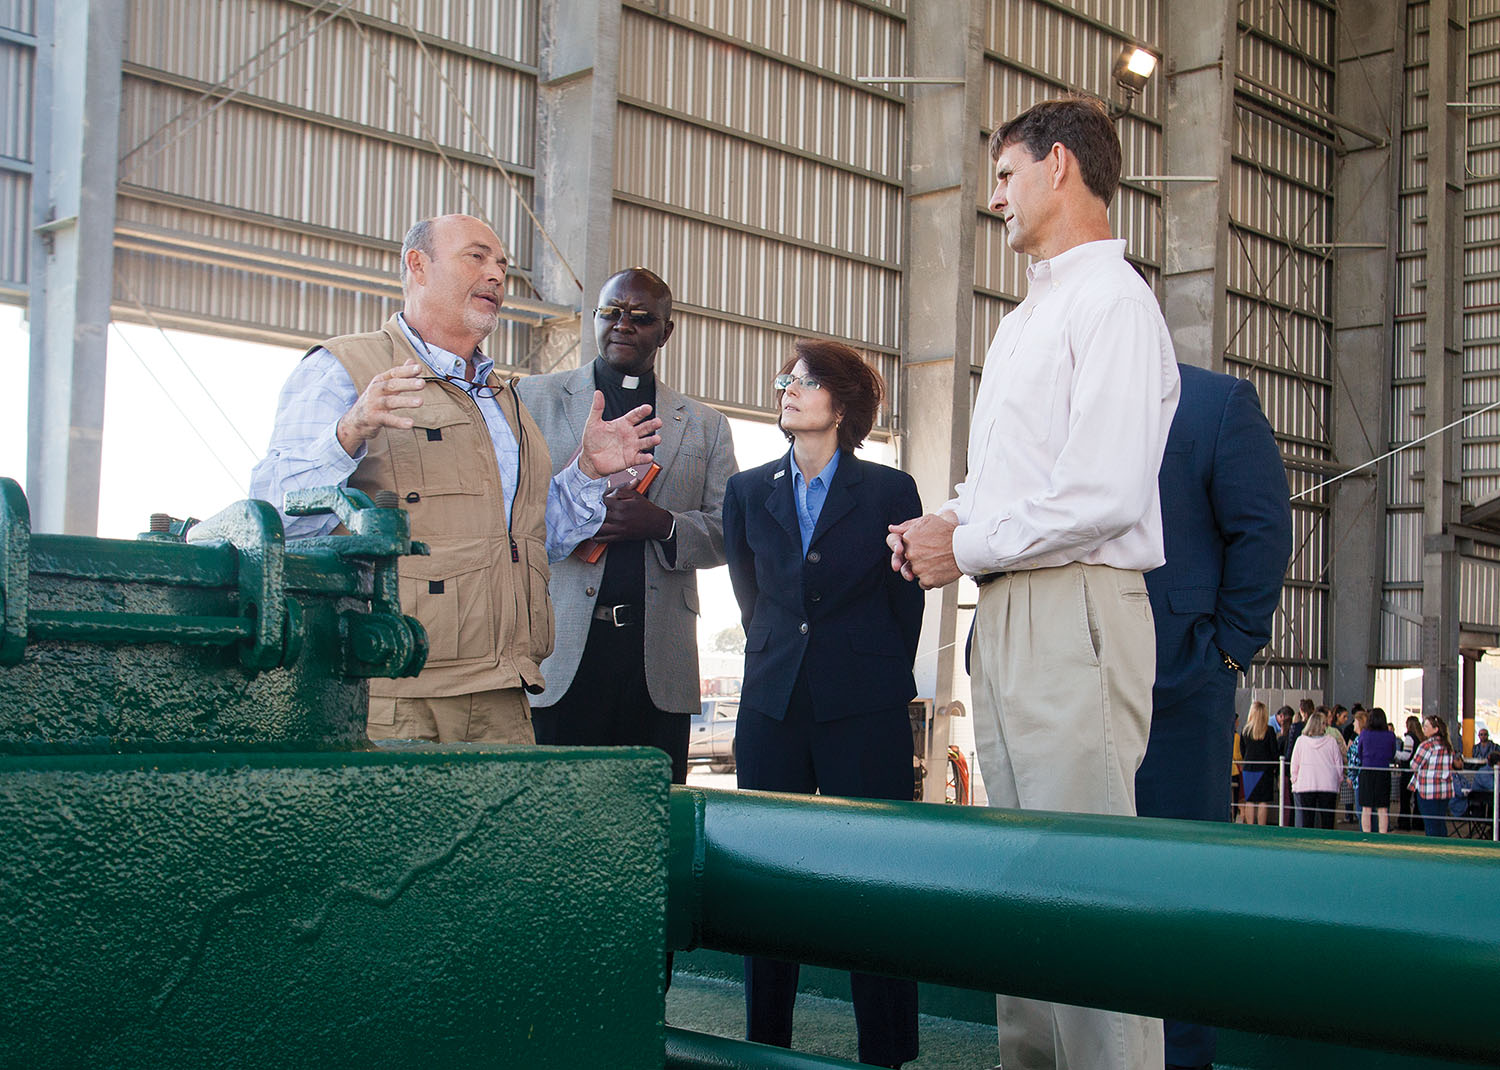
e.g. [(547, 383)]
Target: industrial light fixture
[(1133, 69)]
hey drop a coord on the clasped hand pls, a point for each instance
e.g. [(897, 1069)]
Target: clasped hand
[(922, 549)]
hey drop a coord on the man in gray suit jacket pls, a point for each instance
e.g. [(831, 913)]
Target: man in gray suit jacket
[(625, 666)]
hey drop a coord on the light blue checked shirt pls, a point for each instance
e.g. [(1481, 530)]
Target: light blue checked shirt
[(305, 450), (811, 494)]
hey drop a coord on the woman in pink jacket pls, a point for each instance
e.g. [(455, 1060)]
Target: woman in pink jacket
[(1317, 771)]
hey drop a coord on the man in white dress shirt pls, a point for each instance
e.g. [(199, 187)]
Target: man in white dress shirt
[(1057, 520)]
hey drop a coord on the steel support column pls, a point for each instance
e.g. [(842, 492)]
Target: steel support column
[(943, 41), (1447, 80), (577, 102), (1369, 81), (77, 117), (1200, 68)]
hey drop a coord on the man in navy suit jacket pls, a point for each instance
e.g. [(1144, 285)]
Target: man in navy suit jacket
[(1227, 522)]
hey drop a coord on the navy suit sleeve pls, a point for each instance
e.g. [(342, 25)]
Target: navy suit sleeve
[(1253, 512), (737, 551), (907, 597)]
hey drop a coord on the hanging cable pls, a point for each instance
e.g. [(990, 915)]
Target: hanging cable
[(221, 84), (484, 142), (130, 293), (1391, 453), (181, 412), (416, 114)]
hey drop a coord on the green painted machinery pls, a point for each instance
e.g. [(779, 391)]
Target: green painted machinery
[(204, 863)]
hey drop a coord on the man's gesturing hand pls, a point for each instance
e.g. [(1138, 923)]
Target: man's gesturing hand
[(922, 549), (380, 406), (631, 517), (615, 445)]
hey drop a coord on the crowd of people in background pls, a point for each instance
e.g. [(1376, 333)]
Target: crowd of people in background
[(1294, 768)]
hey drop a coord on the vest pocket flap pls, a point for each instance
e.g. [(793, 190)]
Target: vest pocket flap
[(450, 595), (434, 416), (447, 563), (1193, 600)]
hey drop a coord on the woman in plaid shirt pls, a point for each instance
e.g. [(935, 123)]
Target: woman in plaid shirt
[(1432, 775)]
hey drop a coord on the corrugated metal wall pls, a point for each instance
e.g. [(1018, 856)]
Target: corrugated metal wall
[(763, 182), (1401, 600), (1279, 292), (1035, 49), (17, 63), (1479, 573), (278, 210)]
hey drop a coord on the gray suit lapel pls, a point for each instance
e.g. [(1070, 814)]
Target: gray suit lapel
[(580, 398), (672, 408)]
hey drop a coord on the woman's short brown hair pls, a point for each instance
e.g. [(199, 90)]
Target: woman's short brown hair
[(855, 388)]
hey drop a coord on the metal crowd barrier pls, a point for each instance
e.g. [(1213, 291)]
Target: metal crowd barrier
[(1123, 913)]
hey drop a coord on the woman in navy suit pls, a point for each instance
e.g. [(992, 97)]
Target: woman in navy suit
[(830, 638)]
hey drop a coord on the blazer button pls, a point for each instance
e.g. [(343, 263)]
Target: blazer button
[(802, 627), (589, 591), (814, 557), (816, 597)]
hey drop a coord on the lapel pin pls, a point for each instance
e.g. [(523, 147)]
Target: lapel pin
[(779, 473)]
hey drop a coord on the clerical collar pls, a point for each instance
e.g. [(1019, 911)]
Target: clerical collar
[(604, 372)]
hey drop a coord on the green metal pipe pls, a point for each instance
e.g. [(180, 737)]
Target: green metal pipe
[(1164, 918), (687, 1050)]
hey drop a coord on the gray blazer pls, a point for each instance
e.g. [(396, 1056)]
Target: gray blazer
[(696, 455)]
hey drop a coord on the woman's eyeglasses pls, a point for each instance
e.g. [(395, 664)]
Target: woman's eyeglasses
[(804, 382), (638, 316)]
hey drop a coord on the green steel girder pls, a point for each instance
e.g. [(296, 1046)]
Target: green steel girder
[(1125, 913)]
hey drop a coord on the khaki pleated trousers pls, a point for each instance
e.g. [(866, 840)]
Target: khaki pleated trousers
[(1062, 664)]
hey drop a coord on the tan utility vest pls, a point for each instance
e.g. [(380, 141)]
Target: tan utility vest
[(482, 594)]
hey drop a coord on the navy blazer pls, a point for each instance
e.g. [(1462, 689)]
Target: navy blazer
[(1227, 522), (842, 609)]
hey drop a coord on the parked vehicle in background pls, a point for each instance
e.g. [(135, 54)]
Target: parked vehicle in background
[(711, 737)]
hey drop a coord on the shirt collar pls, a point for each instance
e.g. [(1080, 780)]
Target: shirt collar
[(604, 372), (1077, 260), (826, 475), (447, 364)]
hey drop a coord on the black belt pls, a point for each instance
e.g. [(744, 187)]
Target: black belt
[(619, 616), (989, 577)]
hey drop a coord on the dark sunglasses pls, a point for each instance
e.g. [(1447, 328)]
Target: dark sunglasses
[(638, 316)]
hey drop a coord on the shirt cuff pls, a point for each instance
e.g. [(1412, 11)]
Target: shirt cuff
[(327, 452), (971, 550), (585, 491)]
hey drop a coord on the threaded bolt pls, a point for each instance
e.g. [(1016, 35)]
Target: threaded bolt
[(386, 499), (161, 523)]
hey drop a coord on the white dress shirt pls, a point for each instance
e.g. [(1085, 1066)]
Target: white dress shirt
[(1078, 391)]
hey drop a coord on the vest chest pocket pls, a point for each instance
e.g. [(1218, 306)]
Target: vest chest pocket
[(453, 601), (442, 453)]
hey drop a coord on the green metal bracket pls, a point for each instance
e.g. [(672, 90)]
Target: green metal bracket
[(15, 569), (384, 642), (254, 530)]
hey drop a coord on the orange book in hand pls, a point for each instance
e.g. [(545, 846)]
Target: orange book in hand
[(590, 549)]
